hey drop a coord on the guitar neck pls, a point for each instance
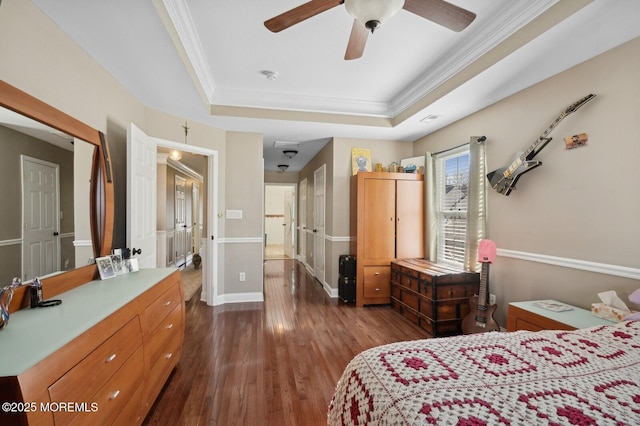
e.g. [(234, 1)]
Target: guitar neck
[(543, 137), (484, 280), (532, 148)]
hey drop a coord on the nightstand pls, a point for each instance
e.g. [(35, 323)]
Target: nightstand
[(527, 316)]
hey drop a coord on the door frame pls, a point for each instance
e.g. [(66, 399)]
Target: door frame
[(319, 271), (209, 275), (302, 222), (294, 217), (210, 278)]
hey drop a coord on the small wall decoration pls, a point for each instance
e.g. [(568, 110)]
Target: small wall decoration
[(576, 140), (360, 160)]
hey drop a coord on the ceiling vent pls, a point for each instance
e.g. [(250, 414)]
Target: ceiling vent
[(286, 145)]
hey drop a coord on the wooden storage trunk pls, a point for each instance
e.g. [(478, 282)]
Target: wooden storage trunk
[(434, 296)]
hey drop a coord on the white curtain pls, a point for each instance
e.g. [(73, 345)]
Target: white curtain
[(476, 207)]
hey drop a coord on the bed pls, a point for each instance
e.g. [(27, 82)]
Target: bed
[(588, 377)]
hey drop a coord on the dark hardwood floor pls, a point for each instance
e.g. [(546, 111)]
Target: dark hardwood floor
[(271, 363)]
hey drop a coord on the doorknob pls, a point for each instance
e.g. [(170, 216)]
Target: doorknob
[(55, 234), (135, 251)]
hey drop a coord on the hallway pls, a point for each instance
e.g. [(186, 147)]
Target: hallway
[(271, 363)]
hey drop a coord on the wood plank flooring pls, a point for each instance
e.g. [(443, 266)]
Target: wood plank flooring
[(271, 363)]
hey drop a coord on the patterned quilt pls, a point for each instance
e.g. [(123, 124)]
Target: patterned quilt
[(583, 377)]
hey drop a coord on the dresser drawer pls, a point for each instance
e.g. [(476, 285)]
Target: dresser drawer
[(157, 311), (377, 281), (160, 370), (88, 376), (161, 337), (113, 397)]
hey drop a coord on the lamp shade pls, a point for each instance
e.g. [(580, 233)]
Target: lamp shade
[(373, 13), (175, 155)]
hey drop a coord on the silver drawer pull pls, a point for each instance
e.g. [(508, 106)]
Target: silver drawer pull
[(168, 356), (170, 326), (377, 289), (114, 395), (167, 303), (376, 273), (110, 358)]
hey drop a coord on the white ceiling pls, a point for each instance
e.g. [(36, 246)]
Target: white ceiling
[(203, 60)]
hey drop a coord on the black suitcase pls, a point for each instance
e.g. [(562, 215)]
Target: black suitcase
[(347, 266)]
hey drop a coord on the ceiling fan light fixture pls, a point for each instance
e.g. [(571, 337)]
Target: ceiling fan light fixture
[(373, 13)]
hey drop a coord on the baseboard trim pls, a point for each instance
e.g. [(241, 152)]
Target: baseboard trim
[(239, 298), (584, 265)]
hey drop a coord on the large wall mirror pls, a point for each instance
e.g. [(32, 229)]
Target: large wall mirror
[(57, 209)]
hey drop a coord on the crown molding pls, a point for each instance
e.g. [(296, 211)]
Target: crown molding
[(513, 16), (180, 17)]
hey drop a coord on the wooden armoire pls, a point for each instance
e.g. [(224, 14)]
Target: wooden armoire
[(387, 214)]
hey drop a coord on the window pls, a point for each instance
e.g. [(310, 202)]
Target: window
[(451, 204)]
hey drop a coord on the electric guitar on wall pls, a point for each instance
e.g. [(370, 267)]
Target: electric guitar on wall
[(480, 317), (504, 179)]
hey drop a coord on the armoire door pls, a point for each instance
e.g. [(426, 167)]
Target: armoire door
[(379, 218), (409, 219)]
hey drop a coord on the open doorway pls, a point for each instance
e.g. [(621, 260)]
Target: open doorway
[(181, 186), (279, 221)]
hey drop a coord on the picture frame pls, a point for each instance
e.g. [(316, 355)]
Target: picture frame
[(360, 160), (118, 264), (105, 267), (130, 265)]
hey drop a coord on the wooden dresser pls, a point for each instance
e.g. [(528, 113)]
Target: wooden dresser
[(434, 296), (529, 316), (101, 357), (387, 214)]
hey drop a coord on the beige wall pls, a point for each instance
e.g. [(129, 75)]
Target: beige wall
[(581, 204), (40, 59), (337, 157)]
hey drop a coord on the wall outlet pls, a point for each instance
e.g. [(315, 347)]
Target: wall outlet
[(492, 299), (242, 276)]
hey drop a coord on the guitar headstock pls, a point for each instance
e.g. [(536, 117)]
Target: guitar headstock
[(486, 251), (574, 107)]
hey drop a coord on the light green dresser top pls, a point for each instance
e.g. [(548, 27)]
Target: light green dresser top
[(34, 334), (576, 317)]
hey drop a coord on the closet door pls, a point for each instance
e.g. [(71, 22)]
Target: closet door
[(409, 219), (379, 219)]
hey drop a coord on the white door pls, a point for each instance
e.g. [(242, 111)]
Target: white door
[(195, 216), (180, 222), (318, 222), (288, 222), (141, 195), (302, 219), (41, 241)]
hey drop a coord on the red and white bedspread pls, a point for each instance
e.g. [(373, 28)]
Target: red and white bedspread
[(585, 377)]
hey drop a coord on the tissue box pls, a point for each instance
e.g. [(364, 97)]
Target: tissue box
[(607, 312)]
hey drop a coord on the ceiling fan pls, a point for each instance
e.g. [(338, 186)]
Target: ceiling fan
[(370, 14)]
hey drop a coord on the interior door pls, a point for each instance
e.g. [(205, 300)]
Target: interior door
[(318, 223), (180, 221), (141, 195), (41, 241), (288, 201), (302, 219)]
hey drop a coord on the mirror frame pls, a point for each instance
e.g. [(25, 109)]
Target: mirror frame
[(102, 191)]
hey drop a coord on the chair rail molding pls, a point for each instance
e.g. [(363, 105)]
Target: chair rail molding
[(584, 265)]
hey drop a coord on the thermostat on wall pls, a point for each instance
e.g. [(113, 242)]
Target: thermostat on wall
[(234, 214)]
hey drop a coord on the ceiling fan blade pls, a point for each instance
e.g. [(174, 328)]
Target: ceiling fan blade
[(441, 12), (357, 41), (299, 14)]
